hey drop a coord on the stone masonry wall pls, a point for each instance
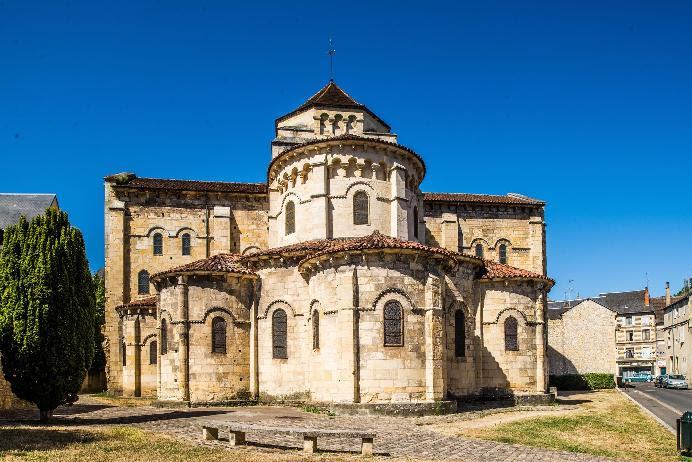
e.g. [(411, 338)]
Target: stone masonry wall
[(582, 341)]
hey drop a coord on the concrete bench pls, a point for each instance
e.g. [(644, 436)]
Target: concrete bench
[(237, 431)]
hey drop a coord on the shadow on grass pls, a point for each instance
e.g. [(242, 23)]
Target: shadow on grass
[(38, 439)]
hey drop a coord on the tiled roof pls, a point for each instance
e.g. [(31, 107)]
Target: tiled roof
[(146, 301), (346, 137), (376, 240), (300, 248), (658, 304), (132, 181), (331, 95), (13, 206), (495, 270), (481, 198), (221, 263)]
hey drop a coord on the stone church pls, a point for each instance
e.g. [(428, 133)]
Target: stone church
[(335, 281)]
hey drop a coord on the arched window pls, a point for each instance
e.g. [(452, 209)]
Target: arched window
[(124, 348), (279, 332), (143, 282), (315, 330), (158, 244), (290, 217), (393, 324), (164, 337), (360, 208), (503, 254), (153, 353), (415, 222), (511, 340), (186, 244), (459, 334), (218, 335), (479, 250)]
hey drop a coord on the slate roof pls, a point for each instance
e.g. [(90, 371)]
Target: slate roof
[(556, 313), (13, 206), (132, 181), (220, 263), (629, 302), (332, 96), (481, 198)]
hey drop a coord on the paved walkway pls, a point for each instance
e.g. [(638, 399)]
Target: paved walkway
[(395, 436)]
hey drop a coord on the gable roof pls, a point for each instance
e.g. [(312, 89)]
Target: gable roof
[(331, 95), (13, 206), (219, 263)]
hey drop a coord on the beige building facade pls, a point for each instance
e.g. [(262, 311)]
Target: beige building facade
[(335, 281), (676, 331)]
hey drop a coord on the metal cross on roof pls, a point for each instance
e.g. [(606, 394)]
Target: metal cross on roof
[(331, 52)]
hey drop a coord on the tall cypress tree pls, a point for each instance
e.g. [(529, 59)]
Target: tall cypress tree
[(47, 310)]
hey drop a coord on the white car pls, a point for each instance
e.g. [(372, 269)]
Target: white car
[(676, 381)]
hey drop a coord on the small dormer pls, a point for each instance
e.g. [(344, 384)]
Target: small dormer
[(328, 113)]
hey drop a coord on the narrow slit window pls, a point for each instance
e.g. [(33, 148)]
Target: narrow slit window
[(290, 218), (164, 337), (186, 244), (153, 352), (158, 244), (503, 254), (143, 282), (479, 250), (393, 324), (124, 348), (315, 330), (415, 222), (511, 335), (218, 335), (360, 208), (279, 333), (459, 334)]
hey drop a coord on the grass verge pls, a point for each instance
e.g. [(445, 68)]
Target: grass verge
[(612, 427)]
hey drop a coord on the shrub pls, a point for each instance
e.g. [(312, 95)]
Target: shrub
[(590, 381)]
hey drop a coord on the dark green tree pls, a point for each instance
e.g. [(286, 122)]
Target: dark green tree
[(99, 362), (685, 289), (47, 310)]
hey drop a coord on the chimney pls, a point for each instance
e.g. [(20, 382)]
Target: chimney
[(646, 297), (667, 293)]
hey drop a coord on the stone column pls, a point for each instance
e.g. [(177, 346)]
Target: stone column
[(398, 203), (183, 340), (116, 273), (137, 353), (450, 231), (222, 239), (254, 358), (537, 255), (347, 368), (435, 360), (318, 184), (129, 369), (541, 378)]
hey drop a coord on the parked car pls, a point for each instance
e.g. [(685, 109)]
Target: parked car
[(676, 381), (641, 377), (660, 380)]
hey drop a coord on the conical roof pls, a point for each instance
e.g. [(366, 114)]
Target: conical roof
[(332, 96)]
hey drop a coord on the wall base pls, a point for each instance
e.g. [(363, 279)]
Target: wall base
[(411, 409)]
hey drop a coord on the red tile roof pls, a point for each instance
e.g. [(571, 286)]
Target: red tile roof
[(132, 181), (481, 198), (495, 270), (346, 137), (140, 302), (331, 95), (221, 263), (376, 240)]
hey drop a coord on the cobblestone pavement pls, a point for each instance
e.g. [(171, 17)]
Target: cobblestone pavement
[(395, 436)]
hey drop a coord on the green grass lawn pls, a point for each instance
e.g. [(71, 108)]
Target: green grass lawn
[(611, 427)]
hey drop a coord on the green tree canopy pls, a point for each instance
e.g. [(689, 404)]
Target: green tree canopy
[(47, 310)]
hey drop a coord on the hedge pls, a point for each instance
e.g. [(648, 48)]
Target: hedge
[(592, 381)]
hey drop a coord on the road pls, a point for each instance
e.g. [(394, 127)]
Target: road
[(665, 404)]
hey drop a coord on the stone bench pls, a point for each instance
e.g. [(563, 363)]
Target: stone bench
[(237, 431)]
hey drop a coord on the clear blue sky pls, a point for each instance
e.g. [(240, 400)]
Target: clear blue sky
[(587, 105)]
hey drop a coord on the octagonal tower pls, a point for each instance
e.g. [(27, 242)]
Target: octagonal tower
[(337, 171)]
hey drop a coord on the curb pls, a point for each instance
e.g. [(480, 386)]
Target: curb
[(651, 414)]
